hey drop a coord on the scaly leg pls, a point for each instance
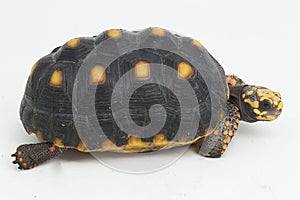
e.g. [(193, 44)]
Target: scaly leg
[(233, 80), (215, 144), (31, 155)]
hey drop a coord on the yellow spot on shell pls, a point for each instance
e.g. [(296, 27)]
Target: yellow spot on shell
[(82, 147), (225, 146), (142, 70), (244, 95), (114, 33), (231, 133), (33, 68), (135, 141), (160, 139), (39, 135), (197, 43), (158, 32), (253, 104), (56, 79), (58, 142), (73, 43), (97, 75), (185, 70), (108, 145)]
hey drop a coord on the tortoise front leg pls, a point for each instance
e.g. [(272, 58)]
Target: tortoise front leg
[(31, 155), (215, 144), (233, 80)]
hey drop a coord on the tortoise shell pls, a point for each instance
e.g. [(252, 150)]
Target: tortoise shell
[(70, 93)]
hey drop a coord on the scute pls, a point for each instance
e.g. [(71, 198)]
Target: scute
[(47, 111)]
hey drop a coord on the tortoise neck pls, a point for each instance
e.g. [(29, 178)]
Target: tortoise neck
[(236, 98)]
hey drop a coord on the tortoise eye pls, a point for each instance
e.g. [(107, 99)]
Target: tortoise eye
[(266, 105)]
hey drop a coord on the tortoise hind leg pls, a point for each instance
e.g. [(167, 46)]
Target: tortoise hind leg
[(215, 144), (31, 155)]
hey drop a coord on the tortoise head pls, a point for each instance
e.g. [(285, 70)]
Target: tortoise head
[(259, 104)]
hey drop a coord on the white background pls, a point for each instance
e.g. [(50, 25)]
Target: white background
[(257, 40)]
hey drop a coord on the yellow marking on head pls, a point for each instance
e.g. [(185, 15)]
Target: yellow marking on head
[(158, 32), (280, 106), (225, 132), (114, 33), (39, 135), (264, 113), (82, 147), (266, 98), (142, 70), (197, 43), (270, 95), (267, 118), (73, 43), (256, 111), (33, 69), (97, 75), (277, 94), (56, 79), (185, 70), (250, 92), (160, 140), (253, 104), (58, 142)]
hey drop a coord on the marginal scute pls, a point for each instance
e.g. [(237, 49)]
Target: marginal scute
[(82, 147), (58, 142), (134, 141), (197, 43), (114, 33), (158, 32), (160, 139), (33, 68), (73, 43), (39, 135), (56, 79)]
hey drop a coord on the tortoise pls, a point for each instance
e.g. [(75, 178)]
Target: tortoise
[(48, 109)]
